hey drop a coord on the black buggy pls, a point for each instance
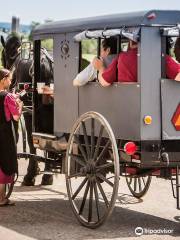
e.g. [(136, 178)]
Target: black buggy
[(99, 134)]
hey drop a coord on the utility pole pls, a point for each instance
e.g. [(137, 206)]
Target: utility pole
[(15, 24)]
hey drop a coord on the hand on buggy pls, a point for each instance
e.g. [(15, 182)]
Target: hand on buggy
[(19, 103), (98, 64)]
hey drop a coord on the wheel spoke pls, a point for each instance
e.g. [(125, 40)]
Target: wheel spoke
[(98, 142), (78, 159), (144, 182), (90, 201), (84, 198), (105, 179), (102, 193), (103, 166), (92, 137), (103, 151), (79, 188), (135, 184), (86, 139), (96, 199), (80, 147), (75, 175), (129, 180), (139, 182)]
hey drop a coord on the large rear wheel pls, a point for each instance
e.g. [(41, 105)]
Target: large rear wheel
[(92, 169)]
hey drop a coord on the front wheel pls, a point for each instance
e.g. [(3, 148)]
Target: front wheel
[(92, 169)]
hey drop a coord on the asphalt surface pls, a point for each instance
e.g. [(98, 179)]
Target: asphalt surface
[(44, 213)]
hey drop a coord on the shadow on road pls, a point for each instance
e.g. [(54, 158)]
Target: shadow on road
[(52, 218)]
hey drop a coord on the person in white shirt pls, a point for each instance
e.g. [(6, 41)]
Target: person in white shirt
[(107, 54)]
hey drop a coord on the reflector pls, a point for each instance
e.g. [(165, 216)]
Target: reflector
[(176, 119), (151, 16), (130, 148), (148, 120)]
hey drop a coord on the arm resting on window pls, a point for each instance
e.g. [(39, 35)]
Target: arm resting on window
[(101, 79), (177, 78)]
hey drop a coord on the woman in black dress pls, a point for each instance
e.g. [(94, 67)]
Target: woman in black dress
[(10, 109)]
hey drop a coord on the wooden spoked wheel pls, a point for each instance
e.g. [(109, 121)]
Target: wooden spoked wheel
[(92, 169), (138, 186)]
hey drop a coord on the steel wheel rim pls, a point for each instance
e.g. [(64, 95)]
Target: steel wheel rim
[(93, 180)]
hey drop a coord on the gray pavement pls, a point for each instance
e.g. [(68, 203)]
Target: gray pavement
[(44, 213)]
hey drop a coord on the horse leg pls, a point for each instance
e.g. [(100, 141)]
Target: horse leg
[(32, 170), (47, 179)]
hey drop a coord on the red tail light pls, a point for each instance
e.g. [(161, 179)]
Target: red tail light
[(151, 16), (130, 148)]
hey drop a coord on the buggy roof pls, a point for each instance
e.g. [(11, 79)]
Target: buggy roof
[(133, 19)]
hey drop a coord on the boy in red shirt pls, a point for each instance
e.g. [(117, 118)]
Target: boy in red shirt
[(125, 67)]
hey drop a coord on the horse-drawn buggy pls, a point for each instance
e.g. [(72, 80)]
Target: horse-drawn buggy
[(127, 129)]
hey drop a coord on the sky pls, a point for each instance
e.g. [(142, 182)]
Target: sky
[(41, 10)]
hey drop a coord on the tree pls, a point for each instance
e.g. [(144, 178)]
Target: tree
[(32, 27)]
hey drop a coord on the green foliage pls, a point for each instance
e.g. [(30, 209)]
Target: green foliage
[(48, 44), (89, 51), (33, 25), (89, 46)]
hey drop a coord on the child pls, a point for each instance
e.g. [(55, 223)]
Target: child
[(10, 108), (107, 54)]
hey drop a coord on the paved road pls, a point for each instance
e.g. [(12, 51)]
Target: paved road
[(44, 213)]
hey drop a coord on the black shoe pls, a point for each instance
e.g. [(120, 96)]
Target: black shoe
[(47, 179), (28, 181)]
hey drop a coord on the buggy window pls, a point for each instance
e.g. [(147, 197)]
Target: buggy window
[(88, 52), (90, 44), (44, 102), (170, 48), (46, 61), (170, 56)]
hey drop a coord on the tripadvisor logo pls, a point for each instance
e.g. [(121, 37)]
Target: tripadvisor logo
[(139, 231)]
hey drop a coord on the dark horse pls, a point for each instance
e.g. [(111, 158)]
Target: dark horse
[(22, 73)]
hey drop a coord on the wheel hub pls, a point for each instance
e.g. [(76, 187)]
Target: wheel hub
[(89, 168)]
